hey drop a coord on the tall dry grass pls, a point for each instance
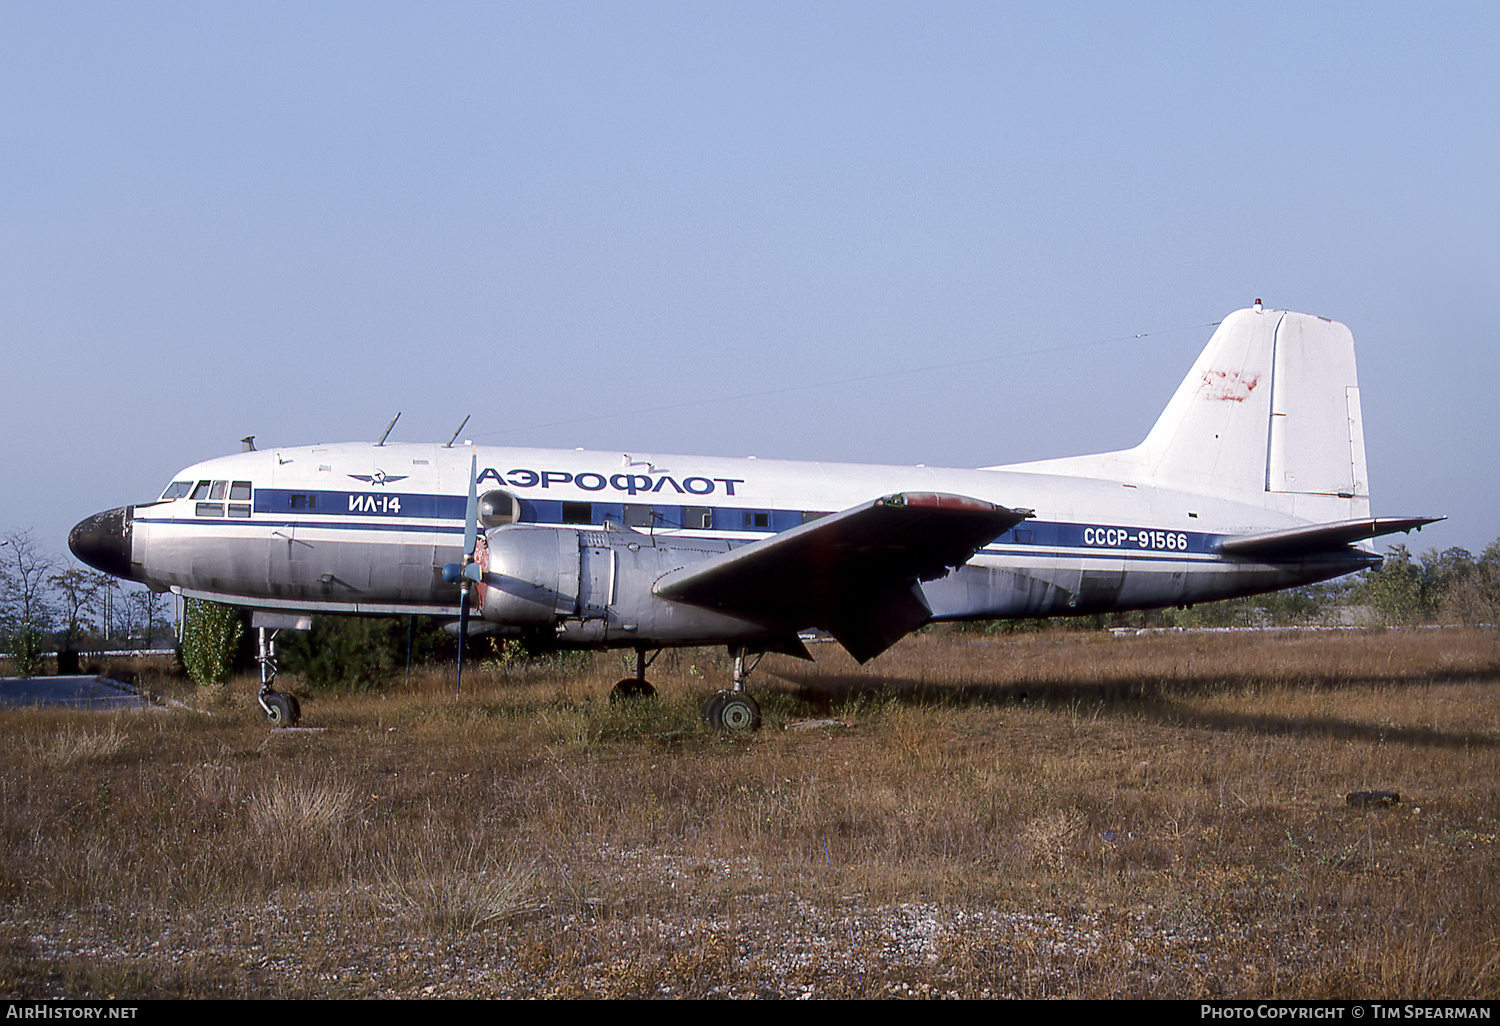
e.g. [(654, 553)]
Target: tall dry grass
[(1044, 815)]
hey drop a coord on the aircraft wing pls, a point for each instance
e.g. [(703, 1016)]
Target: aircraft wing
[(854, 574), (1294, 542)]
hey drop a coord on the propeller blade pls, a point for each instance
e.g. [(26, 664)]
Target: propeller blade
[(471, 513), (469, 572), (463, 630)]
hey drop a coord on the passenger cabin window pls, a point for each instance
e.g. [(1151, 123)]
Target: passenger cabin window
[(578, 512), (295, 501), (176, 490), (755, 519), (639, 516), (698, 518)]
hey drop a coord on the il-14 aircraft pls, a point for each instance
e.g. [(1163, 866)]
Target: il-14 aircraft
[(1253, 479)]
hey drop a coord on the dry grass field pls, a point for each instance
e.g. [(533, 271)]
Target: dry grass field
[(1054, 814)]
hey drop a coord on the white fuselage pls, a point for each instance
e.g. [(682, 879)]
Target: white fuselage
[(1252, 479), (361, 528)]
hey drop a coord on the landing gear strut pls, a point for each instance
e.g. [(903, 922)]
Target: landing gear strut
[(734, 710), (281, 709), (635, 687)]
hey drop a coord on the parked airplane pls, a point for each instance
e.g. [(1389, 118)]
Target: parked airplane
[(1252, 480)]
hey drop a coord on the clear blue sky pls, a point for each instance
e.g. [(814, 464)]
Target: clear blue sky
[(293, 220)]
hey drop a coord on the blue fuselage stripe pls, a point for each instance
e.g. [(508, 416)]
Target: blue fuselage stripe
[(443, 514)]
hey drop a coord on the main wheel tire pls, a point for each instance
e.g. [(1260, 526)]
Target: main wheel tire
[(285, 710), (732, 711), (630, 689), (711, 706)]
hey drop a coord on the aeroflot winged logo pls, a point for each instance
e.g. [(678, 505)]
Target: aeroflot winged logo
[(380, 477)]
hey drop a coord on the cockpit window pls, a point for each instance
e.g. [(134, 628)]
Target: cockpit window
[(201, 492), (176, 490), (217, 491), (239, 490)]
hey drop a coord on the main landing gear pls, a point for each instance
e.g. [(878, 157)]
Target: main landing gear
[(734, 711), (281, 709), (635, 687)]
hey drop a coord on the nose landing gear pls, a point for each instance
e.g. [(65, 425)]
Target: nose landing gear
[(281, 709)]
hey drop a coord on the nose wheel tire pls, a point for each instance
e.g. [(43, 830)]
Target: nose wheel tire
[(732, 711), (630, 689), (282, 710)]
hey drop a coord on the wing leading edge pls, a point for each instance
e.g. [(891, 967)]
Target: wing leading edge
[(855, 574)]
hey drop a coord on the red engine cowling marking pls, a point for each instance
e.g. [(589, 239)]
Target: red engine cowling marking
[(482, 557)]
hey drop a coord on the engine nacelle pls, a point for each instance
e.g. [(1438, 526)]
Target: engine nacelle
[(593, 587), (530, 575)]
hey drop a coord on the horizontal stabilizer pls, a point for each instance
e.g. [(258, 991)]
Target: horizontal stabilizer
[(1295, 542), (853, 574)]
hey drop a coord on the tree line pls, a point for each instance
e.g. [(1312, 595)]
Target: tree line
[(1448, 586), (56, 604), (50, 604)]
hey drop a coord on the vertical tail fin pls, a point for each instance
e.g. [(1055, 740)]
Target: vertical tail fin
[(1269, 413)]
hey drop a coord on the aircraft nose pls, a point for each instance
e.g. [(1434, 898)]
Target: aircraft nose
[(103, 541)]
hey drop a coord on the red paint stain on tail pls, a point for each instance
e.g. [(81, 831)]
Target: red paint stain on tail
[(1229, 386)]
